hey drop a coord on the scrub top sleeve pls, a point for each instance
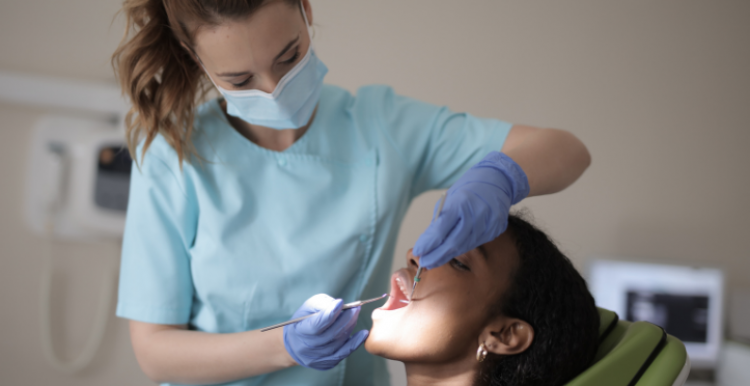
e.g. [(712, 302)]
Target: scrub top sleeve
[(155, 278), (437, 144)]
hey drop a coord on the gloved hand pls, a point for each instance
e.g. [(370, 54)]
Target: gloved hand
[(322, 341), (475, 211)]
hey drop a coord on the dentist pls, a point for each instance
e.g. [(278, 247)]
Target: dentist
[(245, 206)]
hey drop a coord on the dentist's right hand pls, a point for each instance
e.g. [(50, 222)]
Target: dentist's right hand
[(322, 341)]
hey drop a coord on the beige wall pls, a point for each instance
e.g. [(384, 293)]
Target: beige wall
[(659, 91)]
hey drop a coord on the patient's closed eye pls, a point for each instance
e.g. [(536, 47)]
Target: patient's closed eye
[(459, 265)]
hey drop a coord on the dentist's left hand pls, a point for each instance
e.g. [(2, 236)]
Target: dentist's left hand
[(475, 211), (322, 341)]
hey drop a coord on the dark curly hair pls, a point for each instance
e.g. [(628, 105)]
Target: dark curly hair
[(548, 293)]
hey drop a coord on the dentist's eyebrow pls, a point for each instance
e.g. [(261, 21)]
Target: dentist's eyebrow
[(232, 74), (288, 46), (284, 51)]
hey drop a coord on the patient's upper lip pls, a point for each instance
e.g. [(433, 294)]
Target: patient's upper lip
[(400, 285)]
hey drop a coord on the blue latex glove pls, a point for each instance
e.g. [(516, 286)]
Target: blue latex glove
[(322, 341), (475, 211)]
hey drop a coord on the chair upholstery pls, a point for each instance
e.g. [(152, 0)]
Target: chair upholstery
[(634, 354)]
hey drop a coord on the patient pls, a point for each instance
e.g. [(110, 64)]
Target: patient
[(513, 311)]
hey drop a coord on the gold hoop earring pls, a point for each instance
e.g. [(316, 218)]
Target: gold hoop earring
[(481, 352)]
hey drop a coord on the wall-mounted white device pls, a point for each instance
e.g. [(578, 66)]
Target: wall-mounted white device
[(77, 185), (78, 178)]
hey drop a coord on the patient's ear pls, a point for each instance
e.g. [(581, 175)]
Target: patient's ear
[(507, 336)]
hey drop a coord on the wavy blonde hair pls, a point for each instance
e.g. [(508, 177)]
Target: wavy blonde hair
[(156, 72)]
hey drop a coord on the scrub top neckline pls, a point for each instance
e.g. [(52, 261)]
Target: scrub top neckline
[(216, 105)]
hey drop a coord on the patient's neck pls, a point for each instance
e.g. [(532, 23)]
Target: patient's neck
[(460, 373)]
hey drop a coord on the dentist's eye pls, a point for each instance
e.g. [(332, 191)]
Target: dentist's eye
[(243, 83), (292, 59), (459, 265)]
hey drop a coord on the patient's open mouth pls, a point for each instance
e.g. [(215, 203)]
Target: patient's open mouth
[(400, 286)]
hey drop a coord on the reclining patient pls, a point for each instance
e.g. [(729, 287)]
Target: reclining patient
[(513, 311)]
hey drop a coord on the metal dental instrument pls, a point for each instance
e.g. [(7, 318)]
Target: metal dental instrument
[(419, 270), (345, 307)]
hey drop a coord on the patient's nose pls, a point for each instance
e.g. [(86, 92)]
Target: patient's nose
[(412, 262)]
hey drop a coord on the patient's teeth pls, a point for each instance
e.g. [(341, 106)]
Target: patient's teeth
[(401, 285)]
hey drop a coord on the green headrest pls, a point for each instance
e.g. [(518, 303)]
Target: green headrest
[(633, 353)]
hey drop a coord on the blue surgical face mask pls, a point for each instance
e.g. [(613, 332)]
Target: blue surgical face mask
[(291, 103)]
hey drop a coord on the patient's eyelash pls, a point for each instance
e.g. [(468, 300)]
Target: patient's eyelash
[(459, 265)]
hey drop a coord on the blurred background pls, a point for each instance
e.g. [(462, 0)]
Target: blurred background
[(658, 91)]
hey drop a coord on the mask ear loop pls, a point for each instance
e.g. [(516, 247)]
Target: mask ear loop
[(205, 71), (307, 23), (209, 77)]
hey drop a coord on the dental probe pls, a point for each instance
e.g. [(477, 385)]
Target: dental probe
[(419, 270), (345, 307)]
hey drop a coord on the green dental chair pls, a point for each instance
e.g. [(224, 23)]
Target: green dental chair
[(635, 354)]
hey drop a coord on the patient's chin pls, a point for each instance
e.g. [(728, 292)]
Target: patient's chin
[(383, 349), (399, 345), (379, 341), (406, 352), (375, 347), (384, 344)]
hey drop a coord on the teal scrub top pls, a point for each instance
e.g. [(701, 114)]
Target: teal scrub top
[(239, 239)]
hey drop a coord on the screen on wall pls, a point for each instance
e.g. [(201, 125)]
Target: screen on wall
[(684, 316)]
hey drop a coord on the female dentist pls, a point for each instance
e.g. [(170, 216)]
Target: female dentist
[(243, 208)]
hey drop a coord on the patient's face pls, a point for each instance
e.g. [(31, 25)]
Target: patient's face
[(449, 309)]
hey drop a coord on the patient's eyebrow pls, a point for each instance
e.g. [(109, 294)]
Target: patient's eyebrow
[(483, 251)]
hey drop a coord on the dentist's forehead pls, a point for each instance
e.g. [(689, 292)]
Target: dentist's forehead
[(253, 41)]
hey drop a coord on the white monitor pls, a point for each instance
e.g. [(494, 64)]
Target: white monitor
[(686, 301)]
